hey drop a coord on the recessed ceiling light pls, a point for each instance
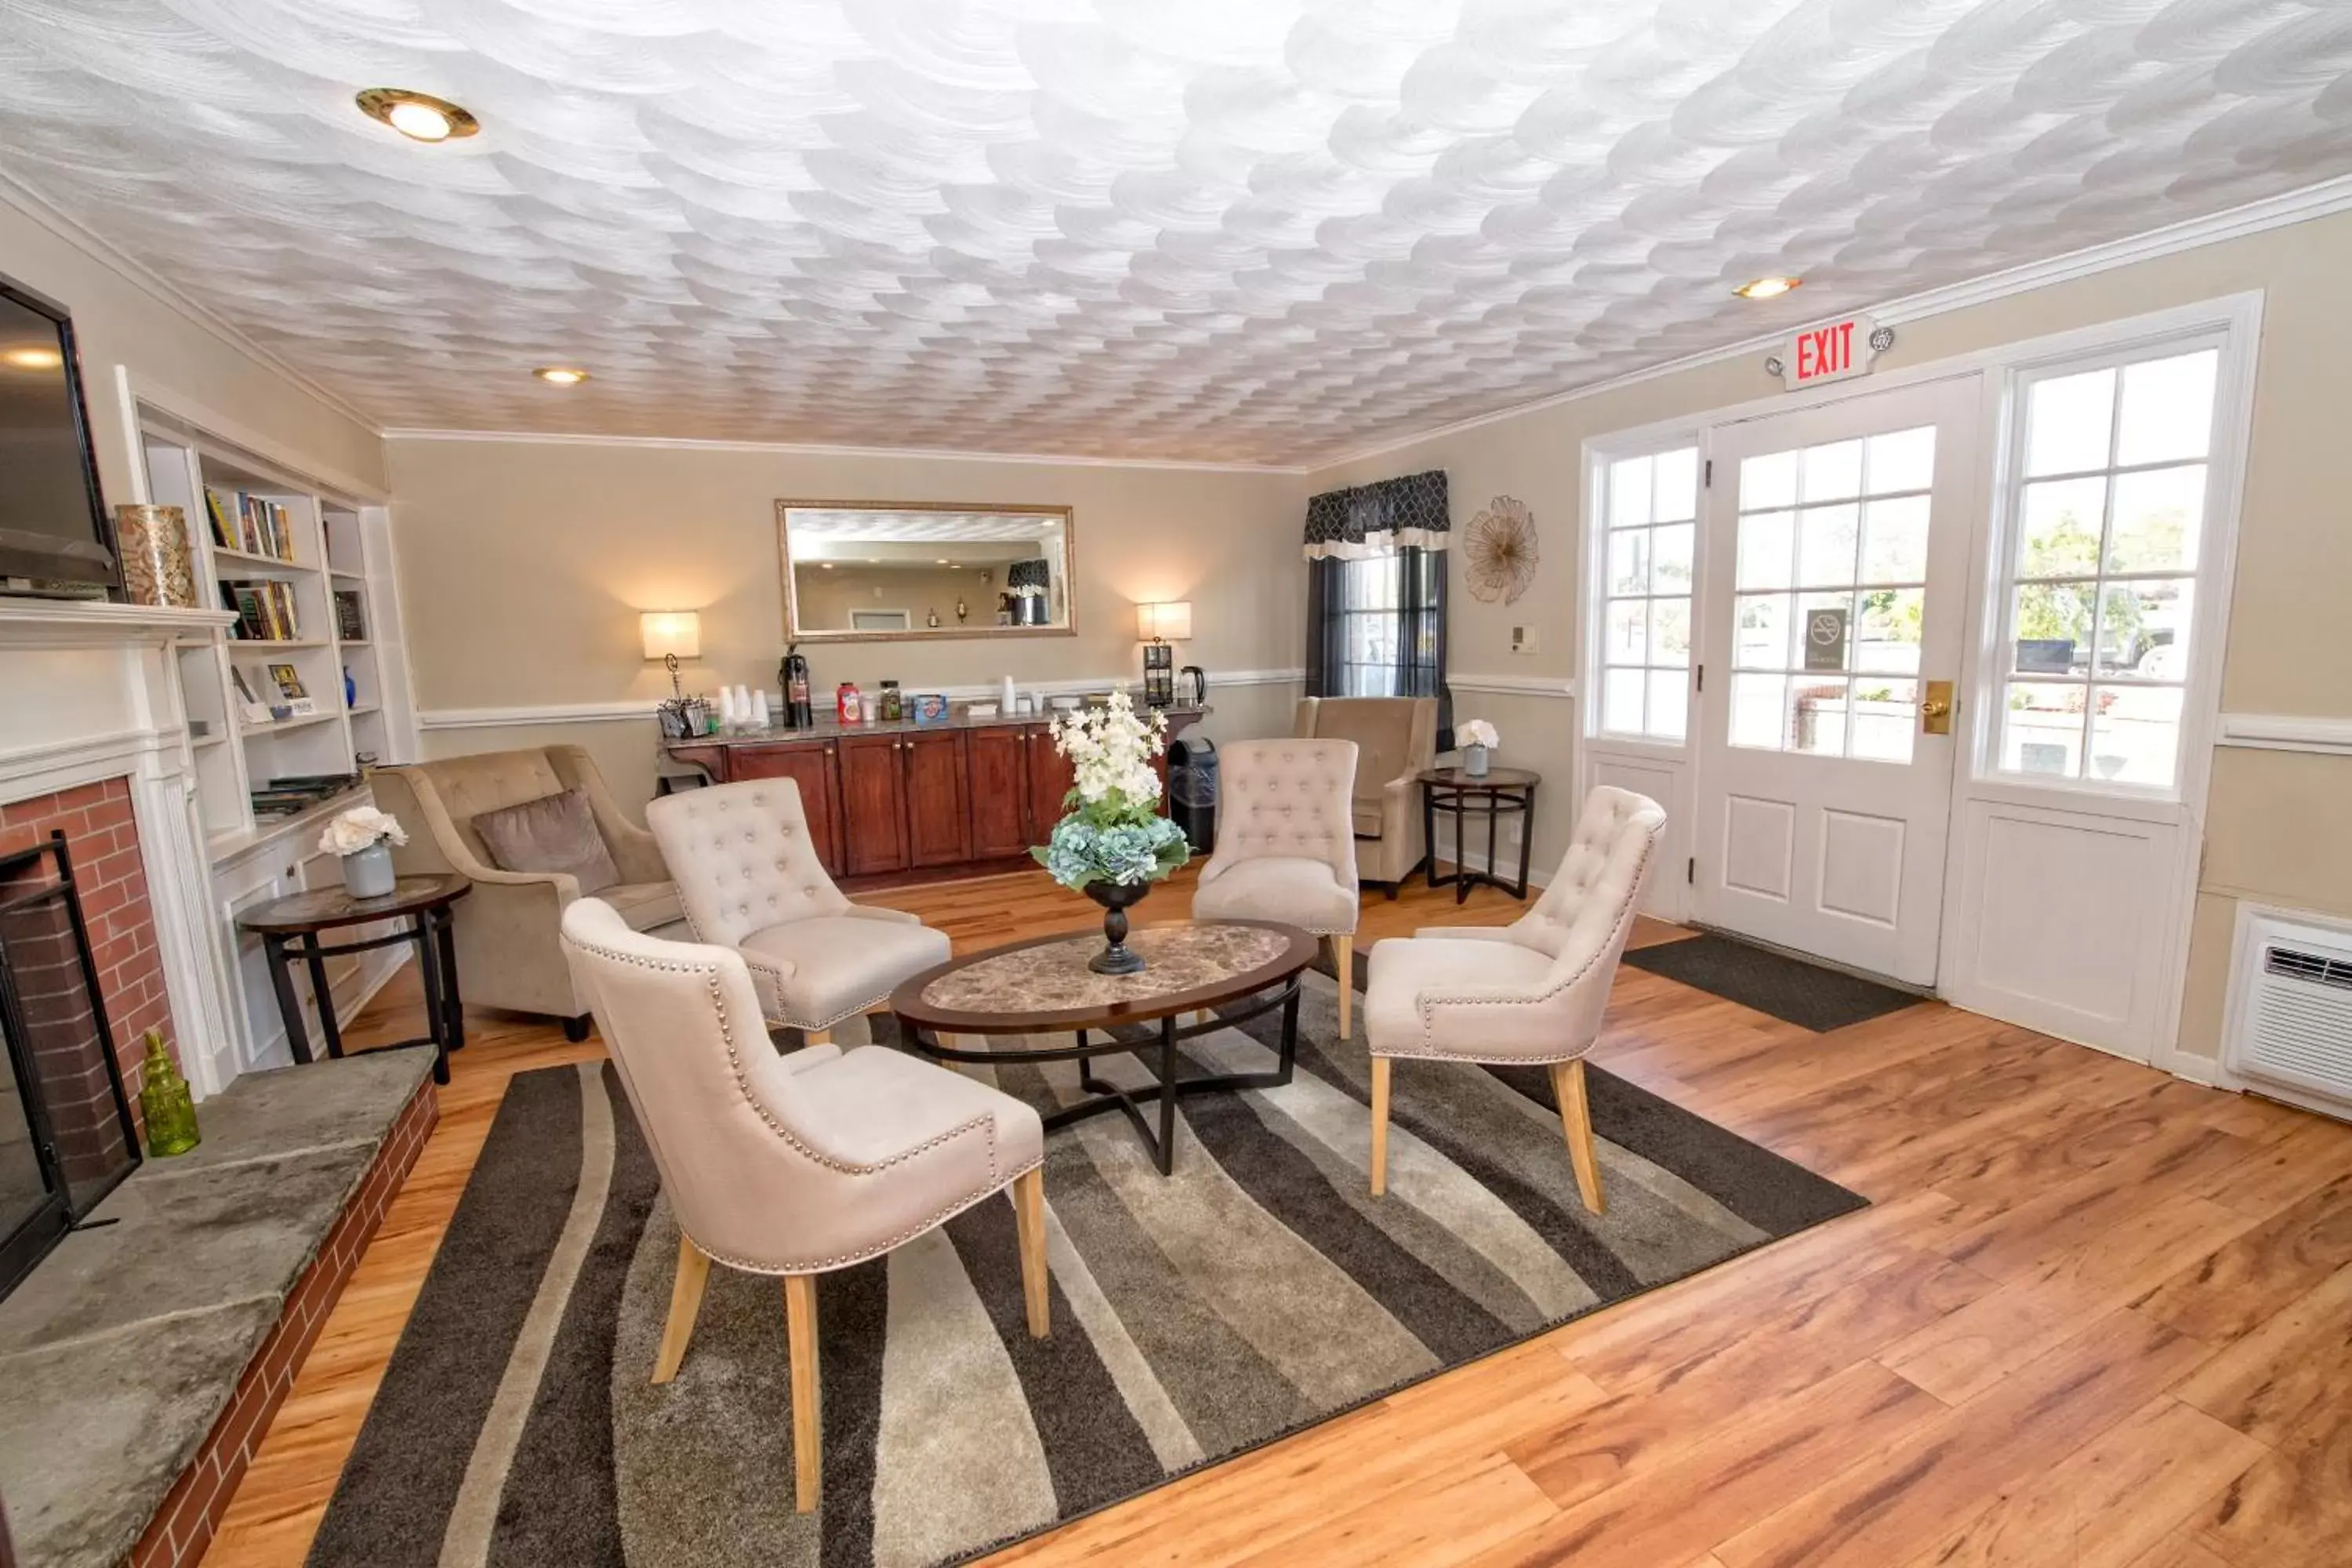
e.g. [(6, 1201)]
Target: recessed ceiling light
[(561, 375), (34, 359), (419, 116), (1767, 288), (940, 562), (827, 565)]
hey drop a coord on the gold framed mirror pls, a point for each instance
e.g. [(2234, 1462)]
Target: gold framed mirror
[(916, 571)]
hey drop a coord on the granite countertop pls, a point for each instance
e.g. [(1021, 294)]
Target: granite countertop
[(828, 728)]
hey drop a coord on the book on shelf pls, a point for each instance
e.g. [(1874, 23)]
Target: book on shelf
[(289, 681), (253, 524), (350, 618), (265, 611)]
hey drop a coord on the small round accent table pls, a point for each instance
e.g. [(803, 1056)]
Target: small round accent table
[(1497, 790), (291, 929), (1042, 986)]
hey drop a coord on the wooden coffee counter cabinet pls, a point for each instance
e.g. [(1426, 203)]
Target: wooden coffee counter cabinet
[(893, 803)]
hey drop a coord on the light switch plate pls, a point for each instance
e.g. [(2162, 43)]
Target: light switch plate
[(1524, 639)]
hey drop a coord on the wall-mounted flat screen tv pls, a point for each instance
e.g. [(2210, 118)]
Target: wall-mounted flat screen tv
[(53, 525)]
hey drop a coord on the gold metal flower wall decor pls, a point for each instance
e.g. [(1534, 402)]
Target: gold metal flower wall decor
[(1501, 551)]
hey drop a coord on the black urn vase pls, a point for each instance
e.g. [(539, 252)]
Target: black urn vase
[(1116, 898)]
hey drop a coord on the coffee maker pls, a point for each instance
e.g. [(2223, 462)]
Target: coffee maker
[(793, 676)]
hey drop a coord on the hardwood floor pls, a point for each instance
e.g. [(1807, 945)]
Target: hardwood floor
[(2097, 1316)]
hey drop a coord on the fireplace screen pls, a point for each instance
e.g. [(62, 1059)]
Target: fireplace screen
[(66, 1132)]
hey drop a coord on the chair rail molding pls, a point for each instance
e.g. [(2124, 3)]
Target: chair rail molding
[(632, 710), (1513, 685), (2287, 732)]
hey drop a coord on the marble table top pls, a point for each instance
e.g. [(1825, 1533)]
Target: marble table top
[(1052, 976)]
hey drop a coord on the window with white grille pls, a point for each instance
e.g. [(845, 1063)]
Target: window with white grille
[(1650, 507)]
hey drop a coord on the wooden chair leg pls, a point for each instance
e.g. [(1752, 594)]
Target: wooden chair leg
[(817, 1036), (1379, 1125), (1343, 953), (1029, 1215), (1576, 1119), (685, 1302), (799, 1331)]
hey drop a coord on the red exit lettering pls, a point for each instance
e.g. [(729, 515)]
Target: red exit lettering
[(1825, 351)]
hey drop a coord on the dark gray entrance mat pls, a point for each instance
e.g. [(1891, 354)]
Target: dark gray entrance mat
[(1257, 1290), (1789, 989)]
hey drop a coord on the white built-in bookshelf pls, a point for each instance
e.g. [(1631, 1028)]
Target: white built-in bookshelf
[(312, 572)]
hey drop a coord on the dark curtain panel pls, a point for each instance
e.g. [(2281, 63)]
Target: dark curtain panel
[(1376, 593)]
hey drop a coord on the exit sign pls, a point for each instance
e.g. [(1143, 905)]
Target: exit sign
[(1831, 352)]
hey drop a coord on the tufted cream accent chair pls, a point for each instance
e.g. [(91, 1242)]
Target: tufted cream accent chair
[(1531, 992), (793, 1165), (1287, 846), (749, 879)]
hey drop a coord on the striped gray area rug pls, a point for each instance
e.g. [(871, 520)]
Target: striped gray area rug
[(1258, 1290)]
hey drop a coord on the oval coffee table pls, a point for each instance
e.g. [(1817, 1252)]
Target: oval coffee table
[(1042, 986)]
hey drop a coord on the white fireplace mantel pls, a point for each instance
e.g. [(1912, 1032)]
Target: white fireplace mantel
[(90, 691)]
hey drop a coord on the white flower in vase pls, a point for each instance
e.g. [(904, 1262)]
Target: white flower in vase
[(360, 828), (1476, 733)]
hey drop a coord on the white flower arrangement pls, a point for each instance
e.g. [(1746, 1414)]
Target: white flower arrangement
[(1112, 832), (361, 827), (1476, 733)]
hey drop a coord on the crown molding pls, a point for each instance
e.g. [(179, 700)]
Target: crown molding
[(2286, 732), (2322, 200), (42, 211), (825, 449)]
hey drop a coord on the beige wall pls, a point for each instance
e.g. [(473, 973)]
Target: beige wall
[(826, 597), (118, 321), (2279, 829), (524, 564)]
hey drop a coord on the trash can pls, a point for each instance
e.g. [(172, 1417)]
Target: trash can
[(1193, 791)]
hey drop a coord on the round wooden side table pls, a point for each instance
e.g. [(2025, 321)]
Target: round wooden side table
[(1497, 791), (291, 928)]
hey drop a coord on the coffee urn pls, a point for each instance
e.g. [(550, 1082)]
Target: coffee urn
[(792, 674)]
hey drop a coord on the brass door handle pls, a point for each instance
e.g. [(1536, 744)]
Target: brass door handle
[(1936, 709)]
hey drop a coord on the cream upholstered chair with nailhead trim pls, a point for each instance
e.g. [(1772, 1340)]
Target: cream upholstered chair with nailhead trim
[(1287, 846), (749, 878), (1530, 993), (792, 1164)]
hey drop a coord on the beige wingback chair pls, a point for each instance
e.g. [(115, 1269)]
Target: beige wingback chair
[(1396, 738), (749, 878), (1284, 848), (793, 1165), (1531, 992), (508, 930)]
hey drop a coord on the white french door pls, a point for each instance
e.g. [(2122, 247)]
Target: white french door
[(1834, 593)]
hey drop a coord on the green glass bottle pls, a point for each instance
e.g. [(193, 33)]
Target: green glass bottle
[(163, 1100)]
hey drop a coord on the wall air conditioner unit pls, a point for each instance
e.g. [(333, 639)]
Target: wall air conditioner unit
[(2290, 1018)]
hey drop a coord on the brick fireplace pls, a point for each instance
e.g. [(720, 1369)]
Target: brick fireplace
[(103, 842)]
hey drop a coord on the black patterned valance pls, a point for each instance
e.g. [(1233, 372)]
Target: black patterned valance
[(1375, 519)]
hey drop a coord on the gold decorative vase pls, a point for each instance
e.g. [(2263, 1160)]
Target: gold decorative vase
[(157, 568)]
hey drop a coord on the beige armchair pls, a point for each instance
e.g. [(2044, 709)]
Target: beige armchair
[(797, 1164), (508, 928), (1532, 992), (1283, 850), (1396, 738), (749, 878)]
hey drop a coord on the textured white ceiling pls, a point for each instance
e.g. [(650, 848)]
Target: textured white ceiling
[(1244, 230)]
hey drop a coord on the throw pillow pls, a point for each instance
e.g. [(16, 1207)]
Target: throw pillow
[(554, 832)]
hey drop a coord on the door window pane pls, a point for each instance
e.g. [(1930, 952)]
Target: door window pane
[(1669, 705), (1818, 716), (1826, 536), (1621, 702), (1629, 561), (1887, 630), (1767, 482), (1675, 481), (2068, 421), (2159, 516), (1629, 492), (2042, 729), (2135, 731), (1758, 705), (1766, 550), (1833, 472), (1669, 633), (1670, 559), (2062, 523), (1885, 717), (2144, 629), (1894, 540), (2167, 412), (1627, 637), (2052, 627), (1762, 640), (1900, 460)]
